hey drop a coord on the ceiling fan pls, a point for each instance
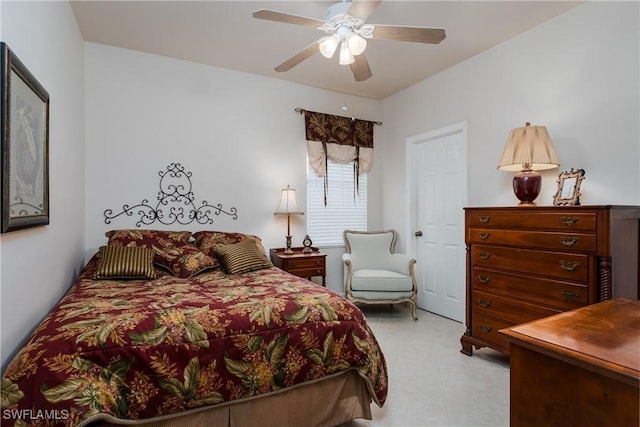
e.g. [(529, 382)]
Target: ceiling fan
[(344, 24)]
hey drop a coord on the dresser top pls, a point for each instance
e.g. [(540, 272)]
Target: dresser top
[(559, 208), (603, 337)]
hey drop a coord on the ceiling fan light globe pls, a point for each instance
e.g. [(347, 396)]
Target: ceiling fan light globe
[(346, 57), (357, 44), (328, 46)]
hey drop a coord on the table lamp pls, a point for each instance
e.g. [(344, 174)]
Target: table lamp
[(288, 207), (528, 149)]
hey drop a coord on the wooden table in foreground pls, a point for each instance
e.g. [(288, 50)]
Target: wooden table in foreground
[(578, 368)]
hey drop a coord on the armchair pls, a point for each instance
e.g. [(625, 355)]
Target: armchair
[(374, 274)]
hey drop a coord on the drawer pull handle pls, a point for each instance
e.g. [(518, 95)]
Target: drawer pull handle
[(484, 255), (484, 279), (485, 236), (568, 220), (483, 302), (484, 219), (569, 241), (569, 296), (569, 266), (485, 328)]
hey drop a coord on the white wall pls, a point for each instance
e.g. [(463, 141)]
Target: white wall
[(237, 133), (576, 74), (39, 264)]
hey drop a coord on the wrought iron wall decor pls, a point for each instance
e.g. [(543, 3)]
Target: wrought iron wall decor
[(175, 203)]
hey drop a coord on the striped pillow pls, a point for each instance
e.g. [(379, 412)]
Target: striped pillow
[(122, 262), (242, 257)]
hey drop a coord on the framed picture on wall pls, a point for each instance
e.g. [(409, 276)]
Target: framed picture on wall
[(24, 124)]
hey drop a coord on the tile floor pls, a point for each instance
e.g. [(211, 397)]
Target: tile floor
[(432, 384)]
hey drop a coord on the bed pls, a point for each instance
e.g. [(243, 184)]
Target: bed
[(172, 328)]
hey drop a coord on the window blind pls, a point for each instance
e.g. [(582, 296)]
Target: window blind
[(325, 224)]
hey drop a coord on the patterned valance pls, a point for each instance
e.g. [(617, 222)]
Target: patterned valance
[(341, 139), (340, 130)]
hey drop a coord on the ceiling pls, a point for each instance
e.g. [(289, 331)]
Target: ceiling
[(224, 34)]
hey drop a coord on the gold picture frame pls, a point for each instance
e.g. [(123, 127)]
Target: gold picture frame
[(568, 192)]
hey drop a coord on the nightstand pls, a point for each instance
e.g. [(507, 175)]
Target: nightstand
[(301, 264)]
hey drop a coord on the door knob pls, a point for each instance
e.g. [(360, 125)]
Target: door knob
[(418, 233)]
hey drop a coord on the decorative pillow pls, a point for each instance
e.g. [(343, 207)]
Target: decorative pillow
[(147, 238), (242, 257), (119, 262), (208, 241), (172, 249)]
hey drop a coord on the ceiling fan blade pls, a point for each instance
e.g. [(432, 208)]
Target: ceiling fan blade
[(360, 68), (271, 15), (409, 34), (363, 8), (298, 57)]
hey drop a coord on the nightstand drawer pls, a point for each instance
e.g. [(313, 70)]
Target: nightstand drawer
[(308, 272), (509, 310), (567, 220), (569, 266), (579, 242), (555, 293), (296, 264)]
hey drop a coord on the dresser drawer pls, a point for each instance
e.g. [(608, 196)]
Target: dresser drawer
[(508, 309), (580, 242), (486, 329), (569, 266), (539, 220), (554, 293)]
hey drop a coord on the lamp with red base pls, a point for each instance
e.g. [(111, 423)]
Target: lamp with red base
[(528, 149)]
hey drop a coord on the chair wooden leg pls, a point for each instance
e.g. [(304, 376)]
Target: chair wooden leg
[(414, 310)]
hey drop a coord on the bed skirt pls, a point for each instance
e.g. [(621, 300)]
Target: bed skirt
[(328, 402)]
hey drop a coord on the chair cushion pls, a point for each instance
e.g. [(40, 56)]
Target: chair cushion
[(380, 280)]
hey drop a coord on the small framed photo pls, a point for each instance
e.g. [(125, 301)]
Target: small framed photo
[(24, 127), (568, 192)]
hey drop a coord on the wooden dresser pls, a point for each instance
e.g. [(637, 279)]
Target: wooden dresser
[(525, 263), (578, 368)]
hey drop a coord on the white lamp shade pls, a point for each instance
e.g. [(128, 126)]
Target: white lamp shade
[(328, 45), (346, 57), (356, 43), (288, 205), (528, 147)]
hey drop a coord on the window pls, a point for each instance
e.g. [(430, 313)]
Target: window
[(325, 224)]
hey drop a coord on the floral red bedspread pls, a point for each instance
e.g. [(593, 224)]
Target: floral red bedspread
[(139, 349)]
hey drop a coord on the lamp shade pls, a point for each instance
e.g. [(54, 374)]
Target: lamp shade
[(328, 45), (288, 205), (528, 147), (346, 57), (357, 44)]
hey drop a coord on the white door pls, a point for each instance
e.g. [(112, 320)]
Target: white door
[(438, 168)]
